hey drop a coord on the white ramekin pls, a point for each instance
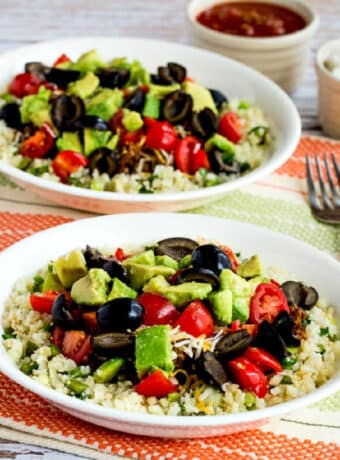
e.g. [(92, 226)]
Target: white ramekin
[(283, 59), (329, 91)]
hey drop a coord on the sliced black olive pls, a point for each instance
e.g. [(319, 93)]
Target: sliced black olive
[(135, 101), (36, 68), (66, 110), (219, 98), (92, 121), (300, 295), (156, 80), (113, 340), (176, 248), (268, 338), (177, 72), (10, 113), (204, 123), (61, 77), (113, 78), (284, 325), (211, 257), (104, 160), (218, 165), (95, 259), (233, 344), (211, 369), (176, 106), (116, 270), (164, 75), (62, 313), (120, 315), (202, 275)]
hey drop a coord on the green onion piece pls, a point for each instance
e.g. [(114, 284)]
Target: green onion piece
[(30, 348), (173, 397), (322, 349), (54, 350), (108, 370), (76, 387), (28, 367), (259, 134), (288, 362), (37, 283), (250, 401), (8, 333), (286, 380), (324, 331)]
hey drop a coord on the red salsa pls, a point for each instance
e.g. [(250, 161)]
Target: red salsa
[(251, 19)]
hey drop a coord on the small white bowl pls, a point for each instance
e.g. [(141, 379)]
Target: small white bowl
[(283, 59), (329, 91)]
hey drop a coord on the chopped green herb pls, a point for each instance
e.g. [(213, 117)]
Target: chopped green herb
[(54, 350), (172, 397), (28, 367), (24, 163), (48, 327), (143, 189), (8, 333), (245, 166), (50, 267), (293, 350), (286, 380), (30, 348), (37, 283), (203, 172), (333, 338), (258, 135), (324, 331), (322, 349), (306, 321), (79, 372), (250, 400), (38, 171), (243, 104), (288, 362)]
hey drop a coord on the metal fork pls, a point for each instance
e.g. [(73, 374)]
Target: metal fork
[(327, 207)]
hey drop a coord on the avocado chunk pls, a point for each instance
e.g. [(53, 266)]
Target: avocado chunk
[(132, 121), (146, 258), (94, 139), (161, 91), (105, 103), (222, 305), (35, 108), (85, 86), (140, 273), (69, 141), (250, 268), (234, 282), (89, 62), (157, 285), (70, 267), (152, 106), (52, 283), (221, 143), (92, 288), (113, 142), (138, 74), (153, 349), (241, 308), (108, 370), (120, 289), (201, 96), (167, 261)]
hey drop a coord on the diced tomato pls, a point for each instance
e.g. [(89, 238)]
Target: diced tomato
[(173, 278), (115, 122), (248, 376), (230, 127), (160, 135), (251, 328), (76, 345), (90, 320), (157, 309), (155, 384), (38, 145), (266, 303), (233, 259), (43, 302), (67, 162), (127, 137), (235, 325), (145, 88), (120, 255), (189, 156), (24, 84), (196, 320), (62, 58), (262, 359), (57, 336), (189, 79)]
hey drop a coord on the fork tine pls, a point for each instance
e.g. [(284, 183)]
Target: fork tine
[(336, 167), (311, 188), (324, 195), (335, 196)]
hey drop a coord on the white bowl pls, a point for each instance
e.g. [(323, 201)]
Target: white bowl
[(329, 91), (209, 69), (283, 59), (308, 264)]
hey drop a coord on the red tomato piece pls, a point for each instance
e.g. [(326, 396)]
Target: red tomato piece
[(24, 84), (116, 121), (230, 127), (185, 149), (120, 255), (90, 320), (160, 135), (248, 376), (127, 137), (57, 336), (199, 160), (266, 303), (262, 359), (233, 259), (43, 302), (251, 328), (196, 320), (157, 309), (155, 384), (39, 144), (67, 162), (62, 58), (76, 345), (235, 325)]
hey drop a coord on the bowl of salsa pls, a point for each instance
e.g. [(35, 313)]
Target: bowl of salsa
[(272, 36)]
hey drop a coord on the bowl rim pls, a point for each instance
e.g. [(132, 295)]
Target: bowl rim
[(93, 409), (319, 64), (106, 196), (259, 43)]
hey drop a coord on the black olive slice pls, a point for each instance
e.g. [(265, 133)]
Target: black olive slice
[(113, 340), (219, 98), (311, 297), (104, 160), (176, 248), (211, 257), (156, 80), (202, 275), (135, 101), (218, 165), (10, 113), (61, 77), (120, 314), (94, 258), (177, 72), (113, 78), (233, 344), (92, 121), (268, 338), (176, 106), (284, 325), (300, 295), (37, 68), (164, 75), (62, 313), (211, 369), (66, 110), (204, 123)]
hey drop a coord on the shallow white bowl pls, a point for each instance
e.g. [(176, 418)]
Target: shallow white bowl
[(283, 59), (211, 70), (308, 264)]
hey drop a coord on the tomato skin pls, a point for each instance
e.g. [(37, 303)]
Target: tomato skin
[(43, 302), (160, 135), (196, 320), (251, 328), (57, 336), (39, 144), (235, 325), (90, 320), (67, 162), (266, 303), (127, 137), (155, 384), (157, 309), (189, 156), (76, 345), (62, 58), (233, 259), (230, 127), (24, 84), (199, 160), (120, 254), (248, 376), (262, 359)]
